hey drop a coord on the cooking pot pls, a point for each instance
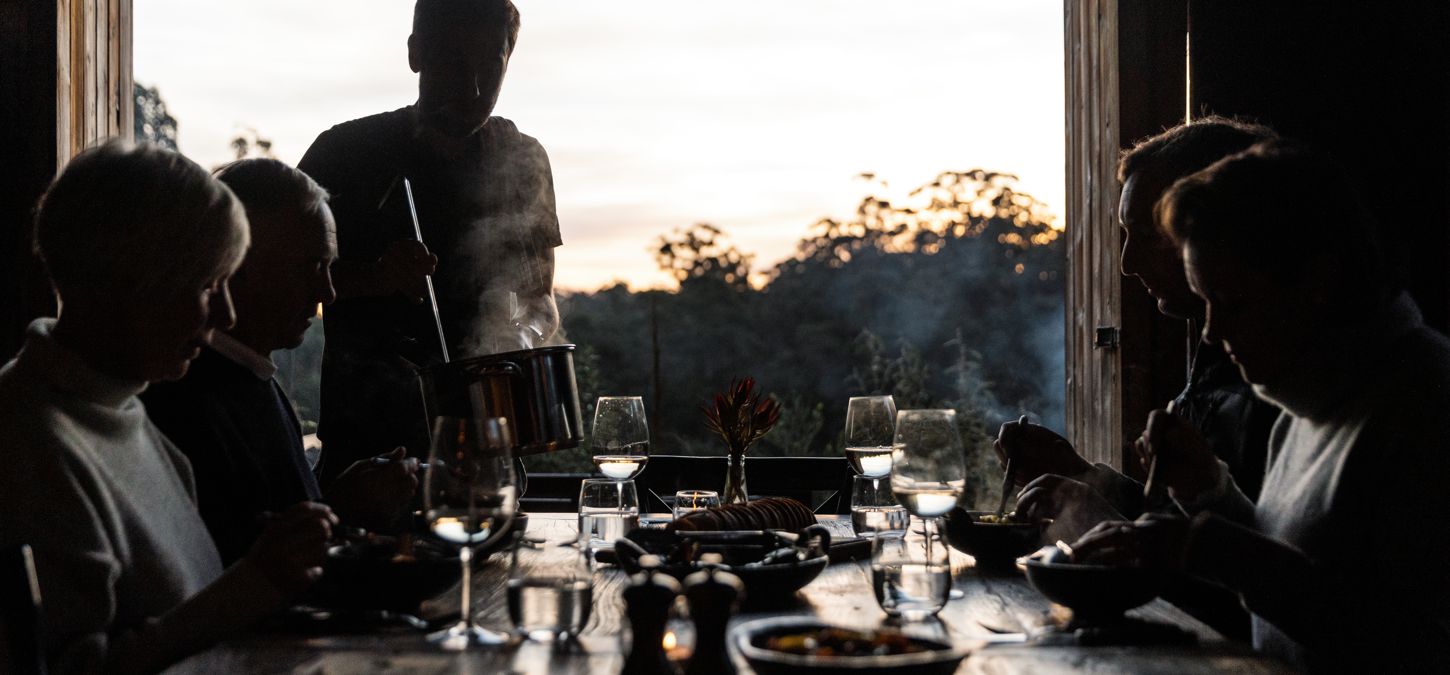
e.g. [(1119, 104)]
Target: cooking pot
[(534, 389)]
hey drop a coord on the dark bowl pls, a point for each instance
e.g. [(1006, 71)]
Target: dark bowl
[(768, 583), (750, 639), (361, 576), (1092, 591), (994, 545)]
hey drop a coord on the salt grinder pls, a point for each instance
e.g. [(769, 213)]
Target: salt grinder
[(713, 594), (648, 599)]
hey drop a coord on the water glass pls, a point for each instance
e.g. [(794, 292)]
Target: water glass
[(689, 501), (608, 510), (874, 508), (870, 428), (550, 588), (911, 574)]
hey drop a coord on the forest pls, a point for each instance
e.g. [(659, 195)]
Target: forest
[(952, 297)]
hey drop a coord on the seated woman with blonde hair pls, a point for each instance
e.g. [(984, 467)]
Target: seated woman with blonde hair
[(139, 243)]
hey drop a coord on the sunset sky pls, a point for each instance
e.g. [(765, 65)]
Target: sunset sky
[(752, 115)]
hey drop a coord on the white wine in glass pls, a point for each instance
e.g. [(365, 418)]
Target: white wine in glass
[(623, 467)]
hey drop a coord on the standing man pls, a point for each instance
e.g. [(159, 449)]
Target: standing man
[(229, 415), (484, 201)]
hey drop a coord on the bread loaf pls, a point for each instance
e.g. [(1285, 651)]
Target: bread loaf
[(772, 513)]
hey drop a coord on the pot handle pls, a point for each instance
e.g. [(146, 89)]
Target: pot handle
[(502, 368)]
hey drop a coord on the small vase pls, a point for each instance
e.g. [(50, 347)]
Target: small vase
[(735, 492)]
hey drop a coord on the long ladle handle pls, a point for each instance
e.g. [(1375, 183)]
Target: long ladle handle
[(432, 297)]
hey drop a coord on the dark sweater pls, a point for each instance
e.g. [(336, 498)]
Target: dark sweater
[(244, 443)]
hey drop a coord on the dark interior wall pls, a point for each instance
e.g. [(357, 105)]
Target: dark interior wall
[(27, 157), (1367, 82)]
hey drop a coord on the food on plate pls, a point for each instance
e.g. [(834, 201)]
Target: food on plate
[(772, 513), (843, 642), (1004, 519)]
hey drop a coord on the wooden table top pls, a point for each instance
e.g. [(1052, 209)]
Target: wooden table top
[(842, 594)]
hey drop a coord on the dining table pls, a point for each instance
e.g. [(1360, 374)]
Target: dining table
[(1006, 624)]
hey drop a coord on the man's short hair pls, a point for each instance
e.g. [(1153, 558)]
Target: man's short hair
[(137, 219), (270, 190), (1277, 206), (1190, 147), (428, 15)]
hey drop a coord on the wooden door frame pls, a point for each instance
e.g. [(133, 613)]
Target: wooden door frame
[(1126, 78), (66, 83)]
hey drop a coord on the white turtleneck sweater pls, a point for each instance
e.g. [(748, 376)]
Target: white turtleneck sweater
[(105, 501), (1346, 570)]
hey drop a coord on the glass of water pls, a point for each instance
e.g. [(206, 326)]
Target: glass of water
[(608, 510), (874, 508), (912, 576), (689, 501), (550, 588)]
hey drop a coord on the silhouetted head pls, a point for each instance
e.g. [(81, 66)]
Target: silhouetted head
[(460, 50), (1145, 171), (287, 272), (1278, 243), (139, 243)]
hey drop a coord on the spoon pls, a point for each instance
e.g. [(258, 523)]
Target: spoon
[(1153, 467), (1009, 476)]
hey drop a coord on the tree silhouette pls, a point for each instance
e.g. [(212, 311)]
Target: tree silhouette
[(703, 252), (152, 123)]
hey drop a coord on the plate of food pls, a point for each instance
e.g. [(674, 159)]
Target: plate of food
[(775, 546), (385, 573), (789, 645)]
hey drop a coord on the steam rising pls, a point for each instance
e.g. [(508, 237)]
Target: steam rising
[(501, 262)]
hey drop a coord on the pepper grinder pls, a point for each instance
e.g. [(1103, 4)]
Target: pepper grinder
[(648, 598), (713, 594)]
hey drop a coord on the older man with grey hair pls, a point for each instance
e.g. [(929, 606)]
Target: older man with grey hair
[(229, 414)]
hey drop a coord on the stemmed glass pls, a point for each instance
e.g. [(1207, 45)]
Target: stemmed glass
[(469, 495), (620, 436), (929, 469), (870, 426)]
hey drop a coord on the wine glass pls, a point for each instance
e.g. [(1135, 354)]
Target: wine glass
[(469, 495), (620, 436), (929, 467), (870, 425)]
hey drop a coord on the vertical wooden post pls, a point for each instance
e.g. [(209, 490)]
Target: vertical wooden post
[(1126, 68), (1093, 382), (95, 99), (65, 83)]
